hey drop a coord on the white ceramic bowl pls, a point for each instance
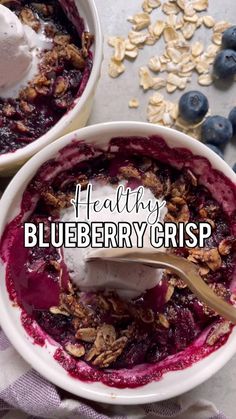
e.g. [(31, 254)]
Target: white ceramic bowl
[(78, 116), (173, 383)]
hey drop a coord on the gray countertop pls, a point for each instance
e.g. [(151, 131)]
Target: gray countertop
[(111, 104)]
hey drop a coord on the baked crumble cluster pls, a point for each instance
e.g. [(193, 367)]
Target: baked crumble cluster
[(63, 73), (108, 332)]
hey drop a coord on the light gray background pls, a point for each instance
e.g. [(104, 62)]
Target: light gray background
[(111, 104)]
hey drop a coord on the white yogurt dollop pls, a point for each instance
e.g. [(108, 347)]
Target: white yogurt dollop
[(20, 47), (129, 280)]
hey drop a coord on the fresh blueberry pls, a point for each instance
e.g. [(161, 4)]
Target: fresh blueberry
[(225, 64), (193, 106), (229, 38), (232, 118), (216, 149), (234, 167), (217, 130)]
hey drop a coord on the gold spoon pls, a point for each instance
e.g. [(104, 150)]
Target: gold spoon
[(186, 270)]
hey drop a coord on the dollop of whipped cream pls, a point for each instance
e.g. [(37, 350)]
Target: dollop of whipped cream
[(20, 46), (128, 280)]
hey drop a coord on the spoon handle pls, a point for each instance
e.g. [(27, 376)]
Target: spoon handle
[(185, 269)]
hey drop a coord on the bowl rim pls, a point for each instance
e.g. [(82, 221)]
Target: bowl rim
[(24, 153), (200, 371)]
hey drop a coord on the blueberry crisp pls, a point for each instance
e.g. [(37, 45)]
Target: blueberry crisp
[(100, 336)]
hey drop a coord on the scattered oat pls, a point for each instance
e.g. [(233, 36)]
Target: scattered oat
[(152, 38), (188, 9), (119, 53), (170, 34), (149, 5), (179, 82), (181, 4), (154, 4), (28, 17), (205, 79), (164, 321), (171, 88), (169, 293), (192, 19), (145, 78), (233, 299), (202, 65), (170, 8), (161, 111), (129, 46), (171, 20), (174, 111), (131, 51), (57, 311), (219, 330), (146, 81), (174, 54), (156, 113), (210, 257), (199, 22), (179, 23), (212, 51), (133, 103)]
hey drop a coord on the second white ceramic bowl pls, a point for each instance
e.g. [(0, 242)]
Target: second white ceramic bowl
[(76, 117), (173, 383)]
